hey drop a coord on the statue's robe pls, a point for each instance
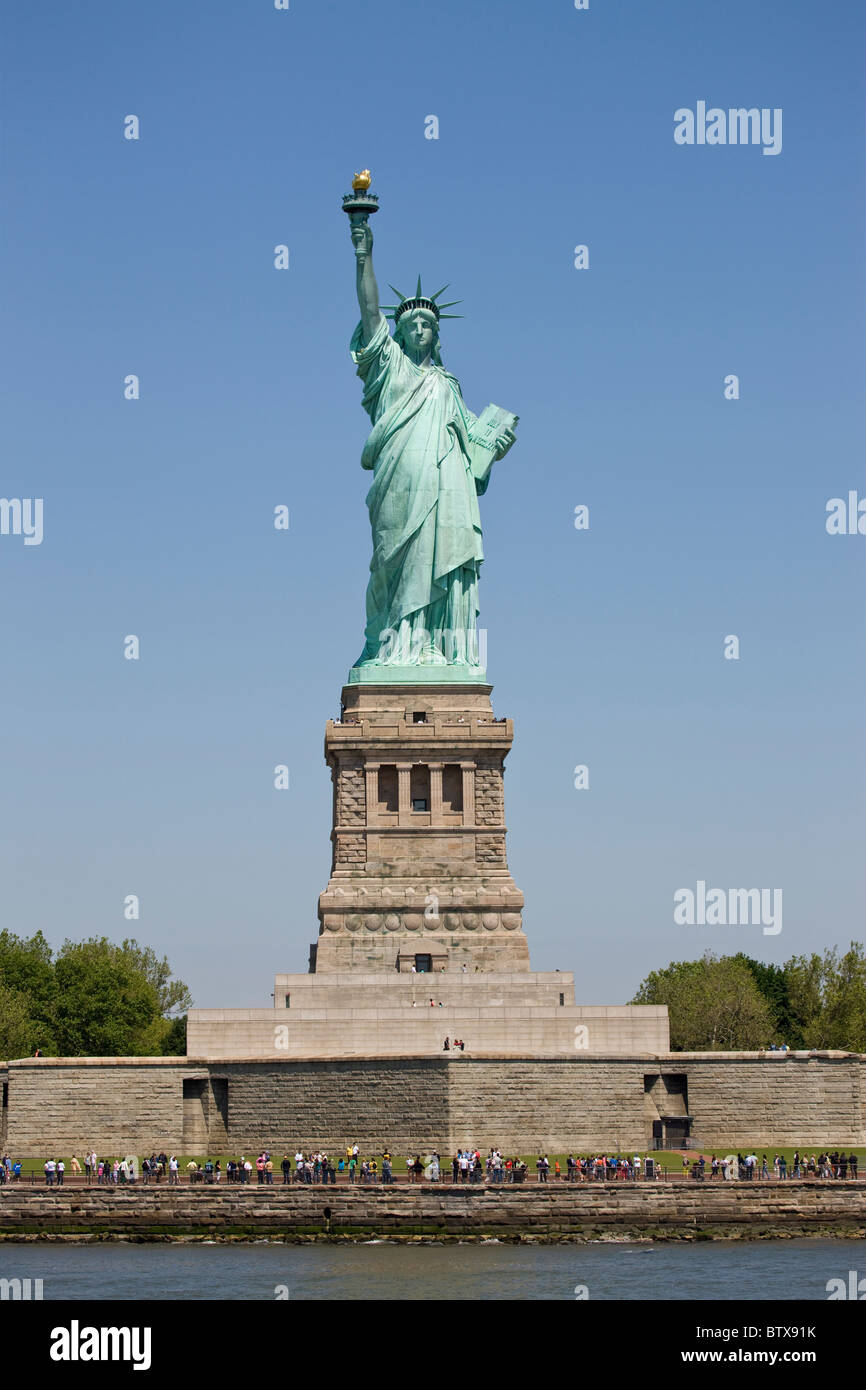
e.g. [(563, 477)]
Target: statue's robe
[(423, 507)]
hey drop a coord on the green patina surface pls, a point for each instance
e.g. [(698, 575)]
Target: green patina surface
[(430, 457)]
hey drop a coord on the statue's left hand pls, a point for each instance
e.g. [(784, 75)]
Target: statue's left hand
[(504, 442)]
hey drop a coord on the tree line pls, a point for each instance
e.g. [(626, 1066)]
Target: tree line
[(91, 998), (735, 1003)]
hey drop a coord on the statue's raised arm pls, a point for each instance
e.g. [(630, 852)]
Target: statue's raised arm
[(368, 290)]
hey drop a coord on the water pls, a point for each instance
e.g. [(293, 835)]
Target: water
[(777, 1269)]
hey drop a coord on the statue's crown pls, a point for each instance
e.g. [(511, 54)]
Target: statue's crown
[(419, 300)]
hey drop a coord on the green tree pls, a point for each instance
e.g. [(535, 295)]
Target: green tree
[(174, 1042), (18, 1033), (96, 998), (774, 984), (105, 1005), (173, 995), (828, 997), (27, 969), (714, 1004)]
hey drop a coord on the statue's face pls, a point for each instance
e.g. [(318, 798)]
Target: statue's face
[(418, 333)]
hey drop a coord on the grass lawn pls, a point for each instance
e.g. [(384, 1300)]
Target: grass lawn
[(670, 1161)]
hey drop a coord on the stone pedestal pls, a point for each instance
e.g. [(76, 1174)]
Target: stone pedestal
[(419, 877), (421, 940)]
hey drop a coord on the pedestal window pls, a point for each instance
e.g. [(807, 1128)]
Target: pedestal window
[(388, 796)]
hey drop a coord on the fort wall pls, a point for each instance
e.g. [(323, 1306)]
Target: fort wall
[(411, 1103)]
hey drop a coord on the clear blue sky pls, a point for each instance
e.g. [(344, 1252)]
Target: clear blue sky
[(707, 516)]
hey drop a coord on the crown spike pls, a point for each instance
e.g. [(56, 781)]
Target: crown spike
[(419, 300)]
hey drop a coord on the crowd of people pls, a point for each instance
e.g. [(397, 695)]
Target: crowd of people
[(608, 1167), (467, 1166), (825, 1165)]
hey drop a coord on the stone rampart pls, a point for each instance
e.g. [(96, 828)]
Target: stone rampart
[(676, 1209), (71, 1103), (412, 1103), (795, 1099)]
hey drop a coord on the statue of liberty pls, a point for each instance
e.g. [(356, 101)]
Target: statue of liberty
[(430, 458)]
